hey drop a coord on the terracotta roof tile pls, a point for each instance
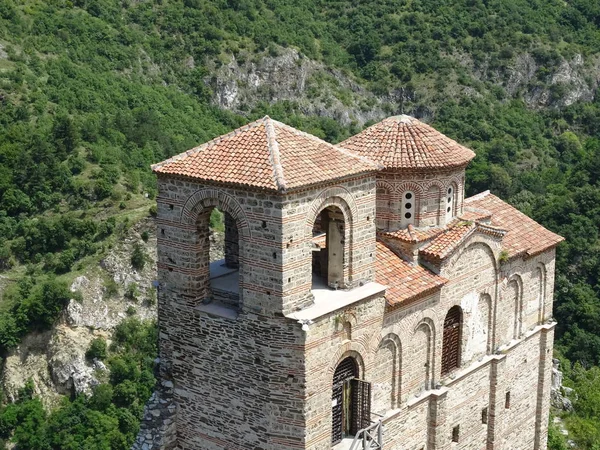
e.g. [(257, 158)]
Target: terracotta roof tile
[(414, 235), (269, 155), (403, 279), (403, 142), (524, 235)]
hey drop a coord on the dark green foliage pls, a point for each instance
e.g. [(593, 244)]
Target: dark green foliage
[(138, 257), (109, 419), (97, 349)]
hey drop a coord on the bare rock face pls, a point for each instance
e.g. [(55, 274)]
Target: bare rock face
[(288, 75), (559, 394), (55, 360)]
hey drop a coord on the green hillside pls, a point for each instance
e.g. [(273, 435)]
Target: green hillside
[(93, 91)]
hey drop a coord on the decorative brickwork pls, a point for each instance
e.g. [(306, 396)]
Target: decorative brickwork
[(439, 318)]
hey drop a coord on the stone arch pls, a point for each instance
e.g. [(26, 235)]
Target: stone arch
[(454, 196), (477, 242), (387, 373), (514, 310), (214, 198), (341, 199), (484, 309), (346, 350), (194, 220), (425, 355)]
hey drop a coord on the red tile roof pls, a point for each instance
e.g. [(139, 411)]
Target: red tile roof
[(414, 235), (525, 236), (403, 142), (403, 279), (267, 154)]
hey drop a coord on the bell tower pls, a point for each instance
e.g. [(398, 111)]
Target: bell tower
[(299, 220)]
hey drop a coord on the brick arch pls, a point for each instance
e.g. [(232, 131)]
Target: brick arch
[(517, 325), (348, 349), (342, 199), (207, 198), (485, 300), (396, 376), (487, 248), (383, 206), (427, 326)]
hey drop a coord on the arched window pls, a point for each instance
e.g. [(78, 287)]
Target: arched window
[(541, 279), (386, 375), (451, 345), (450, 203), (350, 401), (408, 209), (382, 212), (328, 248)]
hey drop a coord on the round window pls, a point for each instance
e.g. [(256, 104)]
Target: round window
[(408, 215), (449, 199), (408, 196), (408, 205), (449, 190), (448, 209)]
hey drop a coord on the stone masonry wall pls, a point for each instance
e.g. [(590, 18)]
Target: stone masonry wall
[(430, 200)]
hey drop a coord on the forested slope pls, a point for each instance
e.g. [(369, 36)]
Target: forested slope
[(92, 92)]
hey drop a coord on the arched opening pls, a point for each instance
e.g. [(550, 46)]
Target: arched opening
[(382, 211), (350, 401), (408, 209), (450, 202), (219, 232), (328, 249), (451, 345)]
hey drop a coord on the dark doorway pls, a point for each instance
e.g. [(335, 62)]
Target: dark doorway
[(350, 403), (328, 249)]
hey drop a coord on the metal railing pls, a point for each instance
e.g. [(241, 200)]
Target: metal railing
[(371, 438)]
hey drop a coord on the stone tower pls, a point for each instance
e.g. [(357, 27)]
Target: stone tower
[(360, 296)]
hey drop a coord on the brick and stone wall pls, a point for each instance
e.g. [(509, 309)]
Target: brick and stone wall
[(429, 202)]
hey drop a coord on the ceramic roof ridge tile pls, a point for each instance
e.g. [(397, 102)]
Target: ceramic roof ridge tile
[(317, 139), (444, 245), (275, 156)]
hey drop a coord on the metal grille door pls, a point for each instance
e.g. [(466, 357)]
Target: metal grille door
[(346, 371), (452, 340), (361, 405)]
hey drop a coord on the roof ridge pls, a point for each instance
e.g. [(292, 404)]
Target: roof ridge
[(477, 196), (208, 144), (336, 146), (274, 154)]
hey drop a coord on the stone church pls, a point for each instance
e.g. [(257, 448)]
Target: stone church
[(362, 302)]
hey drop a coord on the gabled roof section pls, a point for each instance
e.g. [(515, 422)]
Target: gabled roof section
[(267, 154), (524, 236), (404, 280), (446, 243), (403, 142)]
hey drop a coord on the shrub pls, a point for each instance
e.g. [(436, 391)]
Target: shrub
[(138, 257), (97, 349), (132, 292)]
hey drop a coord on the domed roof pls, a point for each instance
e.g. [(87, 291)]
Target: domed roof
[(403, 142)]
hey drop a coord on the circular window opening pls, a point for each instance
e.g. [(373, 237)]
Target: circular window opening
[(448, 209), (408, 196), (450, 190), (408, 205), (449, 199), (408, 215)]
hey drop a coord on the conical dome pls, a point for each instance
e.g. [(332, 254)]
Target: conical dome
[(403, 142)]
